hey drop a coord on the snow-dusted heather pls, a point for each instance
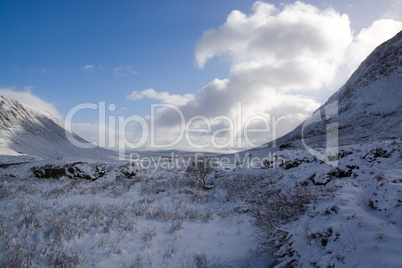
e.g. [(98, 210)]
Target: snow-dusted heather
[(348, 215), (126, 218)]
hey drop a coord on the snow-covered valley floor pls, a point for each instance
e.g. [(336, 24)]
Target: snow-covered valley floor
[(162, 219), (305, 213)]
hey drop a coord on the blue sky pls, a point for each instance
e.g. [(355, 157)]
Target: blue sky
[(71, 52), (46, 43)]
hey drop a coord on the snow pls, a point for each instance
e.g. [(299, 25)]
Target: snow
[(279, 206), (358, 222), (27, 133), (159, 219), (164, 218)]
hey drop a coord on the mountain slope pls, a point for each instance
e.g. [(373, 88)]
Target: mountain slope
[(367, 108), (24, 131), (343, 209)]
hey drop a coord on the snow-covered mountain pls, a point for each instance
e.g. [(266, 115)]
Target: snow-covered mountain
[(367, 108), (26, 133), (344, 212)]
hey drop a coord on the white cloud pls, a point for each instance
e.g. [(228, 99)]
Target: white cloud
[(270, 35), (164, 97), (87, 68), (283, 63), (124, 70), (274, 55), (32, 101), (295, 42), (369, 38)]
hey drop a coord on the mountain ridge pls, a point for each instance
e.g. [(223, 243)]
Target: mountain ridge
[(26, 132), (378, 77)]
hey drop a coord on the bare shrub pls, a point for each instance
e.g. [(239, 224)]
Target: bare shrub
[(200, 169), (282, 207), (271, 214), (248, 186), (200, 260)]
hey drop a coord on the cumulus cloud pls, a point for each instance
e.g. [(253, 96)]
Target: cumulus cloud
[(274, 55), (297, 42), (164, 97), (284, 63), (124, 70), (32, 101)]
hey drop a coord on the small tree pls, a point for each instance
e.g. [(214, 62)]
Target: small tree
[(200, 169)]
